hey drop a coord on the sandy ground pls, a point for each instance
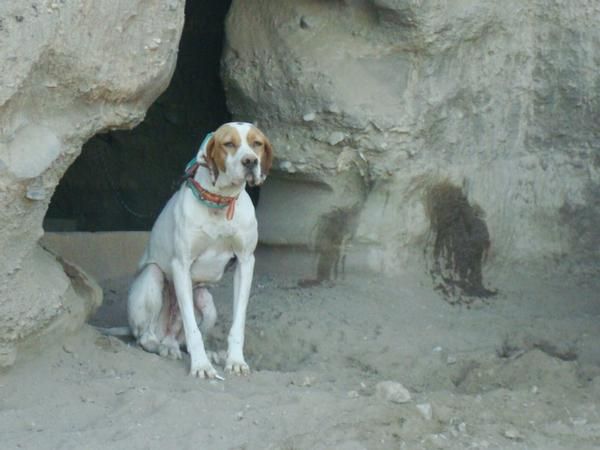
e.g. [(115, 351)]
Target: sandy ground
[(521, 371)]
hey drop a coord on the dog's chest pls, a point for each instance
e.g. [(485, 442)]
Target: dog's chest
[(211, 252), (209, 264), (218, 229)]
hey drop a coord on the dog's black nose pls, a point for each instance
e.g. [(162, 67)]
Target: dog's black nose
[(250, 161)]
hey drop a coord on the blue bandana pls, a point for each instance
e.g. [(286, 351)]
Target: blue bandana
[(194, 160)]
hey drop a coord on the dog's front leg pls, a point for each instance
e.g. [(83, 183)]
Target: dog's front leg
[(241, 293), (200, 365)]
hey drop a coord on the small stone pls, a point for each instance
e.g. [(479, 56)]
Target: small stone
[(451, 360), (239, 415), (36, 193), (287, 166), (333, 109), (308, 381), (68, 349), (309, 117), (393, 392), (335, 138), (353, 394), (514, 434), (426, 410)]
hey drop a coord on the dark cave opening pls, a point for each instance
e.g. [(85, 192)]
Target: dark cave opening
[(123, 178)]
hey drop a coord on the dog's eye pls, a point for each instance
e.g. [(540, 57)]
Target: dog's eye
[(258, 144), (229, 145)]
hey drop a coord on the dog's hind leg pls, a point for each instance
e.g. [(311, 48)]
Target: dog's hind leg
[(144, 306), (171, 323), (204, 305)]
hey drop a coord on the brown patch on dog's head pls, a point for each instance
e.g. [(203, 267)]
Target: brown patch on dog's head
[(263, 149), (226, 140)]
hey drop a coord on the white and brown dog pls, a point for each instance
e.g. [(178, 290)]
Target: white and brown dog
[(207, 222)]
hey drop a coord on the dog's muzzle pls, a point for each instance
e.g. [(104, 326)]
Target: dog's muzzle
[(251, 170)]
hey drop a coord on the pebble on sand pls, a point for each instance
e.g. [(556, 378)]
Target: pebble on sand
[(393, 392), (426, 410), (514, 434)]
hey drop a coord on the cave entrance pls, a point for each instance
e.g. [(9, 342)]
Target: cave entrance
[(123, 178)]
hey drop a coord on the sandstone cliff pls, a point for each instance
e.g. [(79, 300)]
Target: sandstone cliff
[(371, 103), (69, 70)]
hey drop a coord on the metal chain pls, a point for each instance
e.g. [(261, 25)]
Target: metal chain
[(116, 191)]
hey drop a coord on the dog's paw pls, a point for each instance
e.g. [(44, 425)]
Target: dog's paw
[(237, 367), (169, 351), (217, 357), (169, 348), (205, 370), (149, 342)]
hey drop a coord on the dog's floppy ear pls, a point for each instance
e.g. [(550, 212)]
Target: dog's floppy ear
[(266, 160), (209, 157)]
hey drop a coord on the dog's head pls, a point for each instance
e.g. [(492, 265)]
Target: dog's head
[(240, 152)]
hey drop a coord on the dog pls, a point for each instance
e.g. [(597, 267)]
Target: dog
[(209, 221)]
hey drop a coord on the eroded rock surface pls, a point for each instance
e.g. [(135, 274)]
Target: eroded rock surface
[(369, 103), (70, 70)]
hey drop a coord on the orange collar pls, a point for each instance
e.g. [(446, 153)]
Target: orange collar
[(211, 199)]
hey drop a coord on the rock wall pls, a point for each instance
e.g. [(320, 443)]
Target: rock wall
[(70, 70), (123, 178), (371, 102)]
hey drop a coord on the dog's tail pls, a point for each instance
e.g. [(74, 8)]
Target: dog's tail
[(115, 331)]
